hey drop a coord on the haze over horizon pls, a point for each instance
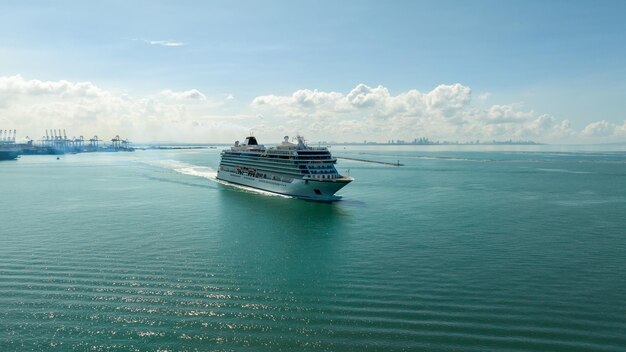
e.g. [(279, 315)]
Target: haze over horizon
[(551, 72)]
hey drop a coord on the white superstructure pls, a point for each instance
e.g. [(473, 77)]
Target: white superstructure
[(293, 169)]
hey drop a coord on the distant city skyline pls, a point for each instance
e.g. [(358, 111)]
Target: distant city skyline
[(550, 72)]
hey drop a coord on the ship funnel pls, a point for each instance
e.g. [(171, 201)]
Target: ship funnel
[(301, 142)]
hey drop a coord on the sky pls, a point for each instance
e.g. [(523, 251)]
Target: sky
[(207, 71)]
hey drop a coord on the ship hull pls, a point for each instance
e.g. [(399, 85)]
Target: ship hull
[(323, 191), (8, 154)]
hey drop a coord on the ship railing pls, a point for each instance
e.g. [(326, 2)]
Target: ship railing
[(316, 148)]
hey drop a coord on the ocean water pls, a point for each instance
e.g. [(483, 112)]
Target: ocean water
[(461, 249)]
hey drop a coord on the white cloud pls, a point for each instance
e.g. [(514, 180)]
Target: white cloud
[(304, 102), (165, 42), (363, 96), (599, 129), (484, 96), (498, 114), (17, 85), (449, 99), (168, 43), (192, 94)]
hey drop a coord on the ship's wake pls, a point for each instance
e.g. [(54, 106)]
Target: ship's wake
[(209, 174), (184, 168), (198, 171)]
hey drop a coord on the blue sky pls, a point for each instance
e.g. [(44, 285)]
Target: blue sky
[(553, 70)]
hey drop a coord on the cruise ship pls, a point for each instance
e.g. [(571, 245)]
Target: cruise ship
[(292, 169)]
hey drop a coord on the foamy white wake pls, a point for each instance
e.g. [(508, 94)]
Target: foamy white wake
[(184, 168), (207, 173), (198, 171)]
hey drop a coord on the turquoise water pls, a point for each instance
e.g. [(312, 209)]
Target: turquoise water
[(459, 250)]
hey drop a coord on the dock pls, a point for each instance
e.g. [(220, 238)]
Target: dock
[(56, 142), (372, 161)]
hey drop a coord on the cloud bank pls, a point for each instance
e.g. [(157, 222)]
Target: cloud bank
[(82, 108), (17, 85), (447, 112)]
